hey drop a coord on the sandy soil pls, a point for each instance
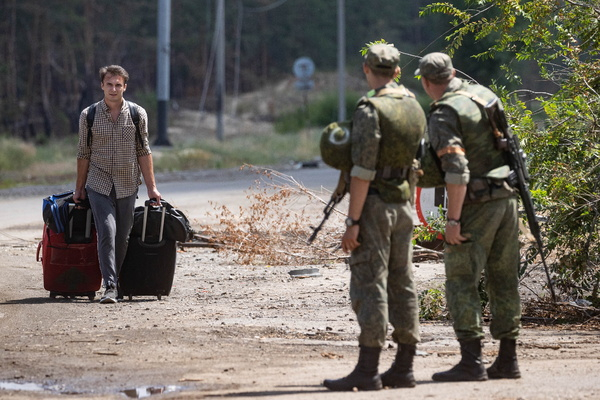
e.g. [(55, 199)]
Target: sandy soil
[(239, 331)]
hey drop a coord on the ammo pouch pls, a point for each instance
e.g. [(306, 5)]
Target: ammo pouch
[(494, 186)]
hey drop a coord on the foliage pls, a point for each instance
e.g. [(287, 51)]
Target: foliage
[(365, 48), (53, 49), (319, 113), (436, 224), (22, 163), (432, 304), (263, 149), (15, 154), (54, 161), (560, 131)]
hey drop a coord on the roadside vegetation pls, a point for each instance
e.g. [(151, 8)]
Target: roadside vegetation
[(558, 127), (293, 136), (24, 163), (559, 130)]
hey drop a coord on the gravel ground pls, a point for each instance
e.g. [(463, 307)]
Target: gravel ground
[(236, 331)]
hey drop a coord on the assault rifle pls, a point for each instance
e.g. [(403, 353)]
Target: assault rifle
[(519, 177), (337, 196)]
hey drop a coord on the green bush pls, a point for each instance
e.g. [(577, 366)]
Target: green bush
[(55, 161), (266, 149), (319, 113), (432, 304), (15, 154)]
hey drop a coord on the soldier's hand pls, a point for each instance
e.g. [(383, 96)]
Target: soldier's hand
[(350, 239), (453, 235)]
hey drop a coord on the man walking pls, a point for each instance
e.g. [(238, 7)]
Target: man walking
[(481, 229), (386, 130), (109, 163)]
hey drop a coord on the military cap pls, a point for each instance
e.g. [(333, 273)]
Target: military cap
[(435, 66), (382, 57)]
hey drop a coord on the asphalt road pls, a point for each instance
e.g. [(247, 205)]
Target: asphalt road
[(21, 209)]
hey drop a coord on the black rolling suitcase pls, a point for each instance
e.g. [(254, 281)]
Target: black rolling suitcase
[(149, 264)]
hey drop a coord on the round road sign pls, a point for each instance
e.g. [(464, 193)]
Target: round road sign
[(304, 68)]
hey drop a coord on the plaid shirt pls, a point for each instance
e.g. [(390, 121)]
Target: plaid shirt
[(114, 150)]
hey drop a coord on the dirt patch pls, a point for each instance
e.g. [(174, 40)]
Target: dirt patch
[(241, 331)]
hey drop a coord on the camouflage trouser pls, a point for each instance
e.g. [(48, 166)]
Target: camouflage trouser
[(492, 247), (382, 286)]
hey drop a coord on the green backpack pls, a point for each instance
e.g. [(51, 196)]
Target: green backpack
[(336, 145)]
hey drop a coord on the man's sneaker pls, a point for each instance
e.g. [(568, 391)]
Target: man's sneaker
[(110, 296)]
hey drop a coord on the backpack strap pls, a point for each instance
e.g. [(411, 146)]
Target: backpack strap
[(90, 122), (135, 116), (473, 97)]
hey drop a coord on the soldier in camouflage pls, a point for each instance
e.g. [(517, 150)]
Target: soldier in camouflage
[(482, 222), (386, 130)]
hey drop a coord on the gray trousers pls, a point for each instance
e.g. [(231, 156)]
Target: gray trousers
[(113, 219)]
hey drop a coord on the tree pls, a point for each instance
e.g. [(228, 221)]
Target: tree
[(54, 49), (560, 131)]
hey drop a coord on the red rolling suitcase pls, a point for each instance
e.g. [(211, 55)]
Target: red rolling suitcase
[(149, 265), (70, 259)]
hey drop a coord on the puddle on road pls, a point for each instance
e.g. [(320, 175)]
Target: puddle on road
[(135, 393), (28, 387), (147, 391)]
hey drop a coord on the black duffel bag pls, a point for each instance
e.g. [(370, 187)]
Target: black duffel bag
[(176, 227)]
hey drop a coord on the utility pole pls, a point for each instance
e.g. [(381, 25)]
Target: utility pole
[(162, 73), (220, 87), (341, 60)]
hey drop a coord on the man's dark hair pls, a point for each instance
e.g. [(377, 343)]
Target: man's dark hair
[(116, 70)]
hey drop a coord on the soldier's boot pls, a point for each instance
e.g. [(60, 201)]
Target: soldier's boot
[(505, 366), (400, 374), (470, 367), (363, 377)]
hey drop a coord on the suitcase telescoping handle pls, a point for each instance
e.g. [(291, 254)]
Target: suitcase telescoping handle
[(88, 217), (152, 203)]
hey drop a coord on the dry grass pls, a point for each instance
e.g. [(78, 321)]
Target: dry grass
[(275, 227), (563, 313)]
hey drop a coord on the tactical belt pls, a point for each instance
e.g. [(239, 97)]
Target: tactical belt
[(389, 173), (485, 189), (392, 173)]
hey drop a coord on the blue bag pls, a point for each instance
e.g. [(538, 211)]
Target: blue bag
[(55, 211)]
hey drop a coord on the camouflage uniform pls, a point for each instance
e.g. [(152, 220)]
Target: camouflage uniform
[(386, 130), (488, 219)]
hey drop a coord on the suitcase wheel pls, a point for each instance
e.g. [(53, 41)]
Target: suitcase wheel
[(92, 296), (130, 297), (159, 296), (54, 294)]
